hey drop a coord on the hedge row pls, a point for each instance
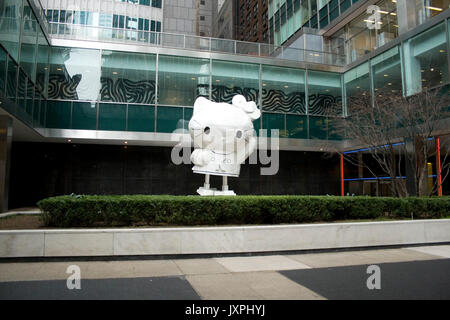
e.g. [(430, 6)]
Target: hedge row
[(89, 211)]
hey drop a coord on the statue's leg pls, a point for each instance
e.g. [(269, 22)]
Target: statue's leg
[(206, 185), (224, 183)]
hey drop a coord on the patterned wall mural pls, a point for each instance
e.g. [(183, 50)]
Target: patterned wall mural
[(125, 90)]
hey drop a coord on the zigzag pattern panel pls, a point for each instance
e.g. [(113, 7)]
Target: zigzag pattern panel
[(319, 103), (62, 87), (124, 90), (225, 94), (278, 101)]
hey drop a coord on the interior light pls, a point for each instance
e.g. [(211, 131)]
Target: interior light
[(217, 80), (386, 75), (393, 14), (422, 70), (433, 8), (390, 84), (441, 51), (115, 72), (193, 78), (432, 69), (384, 12), (59, 69), (286, 87)]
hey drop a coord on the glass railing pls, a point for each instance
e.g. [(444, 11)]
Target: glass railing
[(189, 42)]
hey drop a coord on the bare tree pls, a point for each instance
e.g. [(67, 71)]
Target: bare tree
[(399, 133)]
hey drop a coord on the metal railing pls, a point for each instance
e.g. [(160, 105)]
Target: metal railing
[(190, 42)]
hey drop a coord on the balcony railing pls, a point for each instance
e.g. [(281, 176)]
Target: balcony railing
[(189, 42)]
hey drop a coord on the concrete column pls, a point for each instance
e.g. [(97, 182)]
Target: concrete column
[(5, 155), (413, 74)]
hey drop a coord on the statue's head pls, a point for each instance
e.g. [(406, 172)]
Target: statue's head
[(218, 126)]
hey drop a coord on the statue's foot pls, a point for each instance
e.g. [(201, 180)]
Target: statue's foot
[(214, 192)]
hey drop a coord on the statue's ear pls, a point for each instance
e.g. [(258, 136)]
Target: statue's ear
[(255, 114), (249, 107), (201, 105)]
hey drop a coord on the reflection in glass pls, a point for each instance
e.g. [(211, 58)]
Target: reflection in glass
[(283, 90), (324, 92), (128, 77), (181, 80), (229, 79), (74, 74)]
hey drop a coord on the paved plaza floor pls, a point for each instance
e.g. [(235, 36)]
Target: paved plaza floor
[(404, 273)]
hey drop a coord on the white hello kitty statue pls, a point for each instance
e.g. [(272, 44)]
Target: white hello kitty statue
[(223, 137)]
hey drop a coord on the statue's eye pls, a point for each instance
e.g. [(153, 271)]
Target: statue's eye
[(239, 134), (207, 130)]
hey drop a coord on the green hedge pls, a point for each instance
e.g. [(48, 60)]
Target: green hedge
[(90, 211)]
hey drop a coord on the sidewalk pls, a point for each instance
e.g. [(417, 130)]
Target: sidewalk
[(300, 276)]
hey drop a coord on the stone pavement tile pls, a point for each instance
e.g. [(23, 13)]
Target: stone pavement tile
[(349, 258), (22, 271), (88, 270), (437, 251), (393, 255), (200, 266), (329, 259), (223, 286), (260, 263), (274, 286), (249, 286)]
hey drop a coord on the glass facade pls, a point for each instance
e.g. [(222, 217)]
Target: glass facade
[(96, 89), (24, 61)]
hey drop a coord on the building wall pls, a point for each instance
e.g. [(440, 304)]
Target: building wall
[(56, 169), (252, 21)]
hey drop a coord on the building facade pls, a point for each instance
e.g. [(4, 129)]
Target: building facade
[(86, 113), (244, 20)]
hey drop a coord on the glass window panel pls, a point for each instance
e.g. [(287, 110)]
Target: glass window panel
[(188, 112), (387, 73), (318, 128), (283, 90), (112, 117), (324, 90), (169, 119), (36, 108), (128, 77), (357, 83), (230, 79), (84, 115), (11, 85), (11, 19), (28, 47), (182, 80), (29, 100), (3, 57), (272, 121), (21, 89), (42, 62), (141, 118), (296, 126), (426, 60), (74, 74), (42, 112), (58, 114)]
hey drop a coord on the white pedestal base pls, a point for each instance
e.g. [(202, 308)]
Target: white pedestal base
[(214, 192)]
